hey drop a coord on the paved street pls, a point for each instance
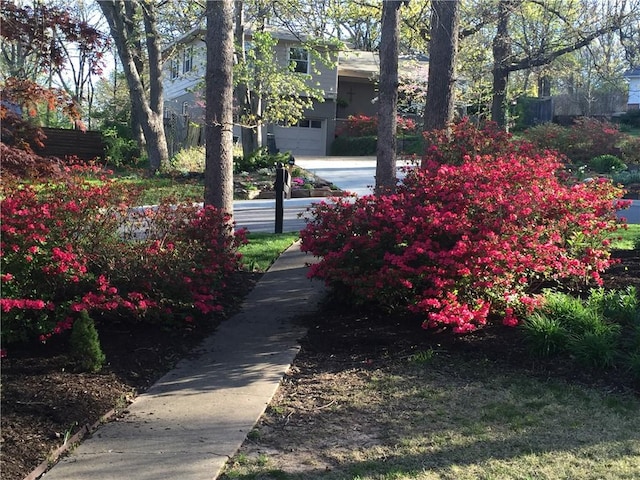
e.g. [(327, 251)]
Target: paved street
[(352, 174)]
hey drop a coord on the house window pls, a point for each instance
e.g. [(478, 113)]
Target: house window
[(187, 60), (174, 65), (299, 57), (306, 123)]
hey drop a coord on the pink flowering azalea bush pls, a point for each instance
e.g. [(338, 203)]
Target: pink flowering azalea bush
[(469, 236), (585, 139), (73, 245)]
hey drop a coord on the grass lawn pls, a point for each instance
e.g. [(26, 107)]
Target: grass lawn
[(624, 239), (264, 248), (435, 415)]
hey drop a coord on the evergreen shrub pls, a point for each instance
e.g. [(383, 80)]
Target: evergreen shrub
[(85, 344)]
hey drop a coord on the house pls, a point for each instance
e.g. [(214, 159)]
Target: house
[(349, 88), (633, 77)]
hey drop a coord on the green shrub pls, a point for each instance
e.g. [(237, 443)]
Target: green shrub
[(586, 138), (630, 118), (411, 144), (259, 159), (85, 344), (622, 306), (545, 335), (354, 146), (629, 148), (602, 331), (120, 148), (189, 160), (359, 146), (626, 177), (606, 164), (596, 348)]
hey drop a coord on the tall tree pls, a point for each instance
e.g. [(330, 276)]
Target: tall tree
[(133, 26), (531, 34), (248, 135), (443, 50), (501, 59), (388, 97), (219, 111)]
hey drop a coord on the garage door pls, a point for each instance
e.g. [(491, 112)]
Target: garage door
[(307, 137)]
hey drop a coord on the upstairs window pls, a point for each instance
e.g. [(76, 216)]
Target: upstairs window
[(174, 66), (299, 57), (187, 60)]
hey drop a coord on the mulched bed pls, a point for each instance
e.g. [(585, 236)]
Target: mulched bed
[(43, 401)]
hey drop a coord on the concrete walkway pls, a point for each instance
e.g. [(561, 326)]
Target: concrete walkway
[(194, 418)]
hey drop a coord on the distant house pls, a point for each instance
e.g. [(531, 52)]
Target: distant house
[(349, 88), (633, 77)]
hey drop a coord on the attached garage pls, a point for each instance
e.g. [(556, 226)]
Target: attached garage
[(307, 137)]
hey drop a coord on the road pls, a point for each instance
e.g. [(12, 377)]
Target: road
[(353, 174)]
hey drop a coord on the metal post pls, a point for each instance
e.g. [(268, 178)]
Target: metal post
[(282, 189)]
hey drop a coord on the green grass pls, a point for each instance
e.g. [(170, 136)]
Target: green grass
[(264, 248), (625, 239), (157, 188)]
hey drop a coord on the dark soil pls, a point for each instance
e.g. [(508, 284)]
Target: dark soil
[(43, 400)]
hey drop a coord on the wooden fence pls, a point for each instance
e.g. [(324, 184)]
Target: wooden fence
[(64, 143)]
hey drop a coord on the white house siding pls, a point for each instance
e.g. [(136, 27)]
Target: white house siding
[(184, 82), (634, 93), (633, 77)]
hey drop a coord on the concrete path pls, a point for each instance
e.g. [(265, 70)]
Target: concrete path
[(194, 418)]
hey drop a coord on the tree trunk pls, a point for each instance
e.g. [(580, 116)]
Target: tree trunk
[(248, 134), (149, 108), (130, 12), (219, 111), (388, 98), (443, 51), (501, 57)]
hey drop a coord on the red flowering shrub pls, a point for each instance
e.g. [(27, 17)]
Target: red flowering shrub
[(466, 139), (365, 126), (461, 241), (585, 139), (64, 250)]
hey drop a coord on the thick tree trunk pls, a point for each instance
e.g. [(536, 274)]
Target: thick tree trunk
[(388, 98), (148, 108), (219, 112), (501, 57), (443, 50), (157, 148), (130, 12)]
